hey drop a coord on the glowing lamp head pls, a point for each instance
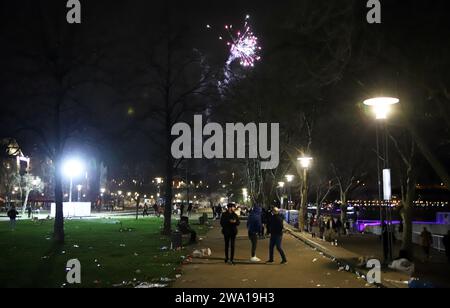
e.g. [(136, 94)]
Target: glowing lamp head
[(73, 168), (36, 182), (103, 190), (79, 187), (305, 162), (289, 178), (281, 184), (381, 106)]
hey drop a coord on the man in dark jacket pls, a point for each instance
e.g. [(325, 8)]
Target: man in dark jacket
[(12, 214), (229, 222), (276, 222), (254, 225)]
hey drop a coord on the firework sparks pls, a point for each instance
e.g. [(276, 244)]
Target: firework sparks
[(243, 46)]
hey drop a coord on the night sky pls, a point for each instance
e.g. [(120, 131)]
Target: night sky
[(308, 64)]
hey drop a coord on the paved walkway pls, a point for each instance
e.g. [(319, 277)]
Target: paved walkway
[(435, 271), (307, 268)]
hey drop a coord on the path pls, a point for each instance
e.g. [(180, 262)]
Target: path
[(307, 268)]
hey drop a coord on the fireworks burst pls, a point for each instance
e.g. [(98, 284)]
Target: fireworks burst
[(243, 45)]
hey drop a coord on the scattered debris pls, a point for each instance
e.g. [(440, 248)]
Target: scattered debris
[(146, 285), (206, 252), (403, 265), (138, 271), (197, 254), (314, 261), (76, 246)]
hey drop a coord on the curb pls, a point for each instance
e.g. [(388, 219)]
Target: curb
[(348, 266)]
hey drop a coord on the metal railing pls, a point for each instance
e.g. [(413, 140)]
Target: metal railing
[(437, 241)]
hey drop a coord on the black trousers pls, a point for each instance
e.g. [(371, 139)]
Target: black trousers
[(254, 240), (230, 240)]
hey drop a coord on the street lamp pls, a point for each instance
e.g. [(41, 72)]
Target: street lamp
[(382, 107), (72, 168), (79, 187), (305, 164), (245, 194), (290, 179)]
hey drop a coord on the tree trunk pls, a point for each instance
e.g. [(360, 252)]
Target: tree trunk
[(25, 202), (318, 204), (58, 232), (138, 201), (343, 207), (168, 196)]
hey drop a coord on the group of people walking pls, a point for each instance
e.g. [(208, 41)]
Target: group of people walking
[(331, 228), (229, 222)]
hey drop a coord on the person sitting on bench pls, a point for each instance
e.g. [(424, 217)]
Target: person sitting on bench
[(185, 228)]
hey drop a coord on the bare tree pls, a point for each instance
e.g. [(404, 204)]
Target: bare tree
[(406, 149)]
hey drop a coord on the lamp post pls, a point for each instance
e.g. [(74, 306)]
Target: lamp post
[(305, 164), (381, 107), (72, 168), (158, 180), (102, 195), (79, 187), (281, 187), (290, 179)]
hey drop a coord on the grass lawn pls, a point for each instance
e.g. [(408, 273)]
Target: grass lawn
[(108, 256)]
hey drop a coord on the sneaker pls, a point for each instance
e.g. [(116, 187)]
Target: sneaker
[(255, 259), (226, 261), (269, 262), (284, 262)]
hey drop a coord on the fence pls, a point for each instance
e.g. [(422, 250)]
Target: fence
[(437, 241)]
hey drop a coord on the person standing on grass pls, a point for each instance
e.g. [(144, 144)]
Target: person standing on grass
[(276, 222), (446, 242), (189, 209), (254, 225), (12, 214), (427, 242), (29, 211), (145, 212), (229, 222), (155, 209)]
